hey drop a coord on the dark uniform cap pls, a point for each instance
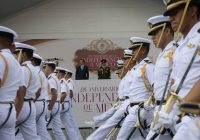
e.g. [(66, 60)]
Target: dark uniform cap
[(174, 4), (103, 61)]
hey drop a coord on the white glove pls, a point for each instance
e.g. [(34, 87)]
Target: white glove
[(167, 120), (146, 115), (148, 107), (156, 128), (117, 105)]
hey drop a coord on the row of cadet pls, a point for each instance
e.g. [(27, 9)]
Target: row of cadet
[(158, 101), (34, 95)]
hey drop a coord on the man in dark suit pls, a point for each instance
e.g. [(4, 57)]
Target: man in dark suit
[(82, 72)]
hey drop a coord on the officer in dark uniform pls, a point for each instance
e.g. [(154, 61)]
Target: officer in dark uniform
[(104, 70)]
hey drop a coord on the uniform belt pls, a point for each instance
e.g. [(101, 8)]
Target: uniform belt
[(7, 102), (40, 100), (67, 101), (124, 98), (50, 101), (27, 100), (133, 104), (158, 102)]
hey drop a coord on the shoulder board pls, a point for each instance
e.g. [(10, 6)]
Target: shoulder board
[(49, 77), (199, 30), (148, 61)]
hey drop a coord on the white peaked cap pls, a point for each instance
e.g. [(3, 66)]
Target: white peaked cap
[(8, 30), (24, 46), (158, 19), (37, 56)]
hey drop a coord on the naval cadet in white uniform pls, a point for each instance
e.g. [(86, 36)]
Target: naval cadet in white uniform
[(26, 121), (40, 103), (103, 131), (67, 116), (53, 101), (140, 87), (97, 120), (10, 72), (162, 36), (184, 18)]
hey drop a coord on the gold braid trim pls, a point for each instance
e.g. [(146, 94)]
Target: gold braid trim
[(5, 75), (170, 56), (146, 83)]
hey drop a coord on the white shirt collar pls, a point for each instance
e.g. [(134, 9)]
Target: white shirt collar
[(169, 46), (141, 62), (6, 50), (27, 62)]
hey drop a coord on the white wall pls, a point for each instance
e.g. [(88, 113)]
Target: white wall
[(85, 19), (81, 21)]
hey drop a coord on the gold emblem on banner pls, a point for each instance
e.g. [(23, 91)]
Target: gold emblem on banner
[(101, 46)]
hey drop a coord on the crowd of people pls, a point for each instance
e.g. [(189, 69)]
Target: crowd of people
[(155, 101), (161, 100)]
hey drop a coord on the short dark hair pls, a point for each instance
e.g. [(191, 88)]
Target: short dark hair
[(8, 36), (29, 54), (147, 48), (70, 74), (198, 9), (37, 61), (170, 27), (198, 13), (82, 60), (52, 66)]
